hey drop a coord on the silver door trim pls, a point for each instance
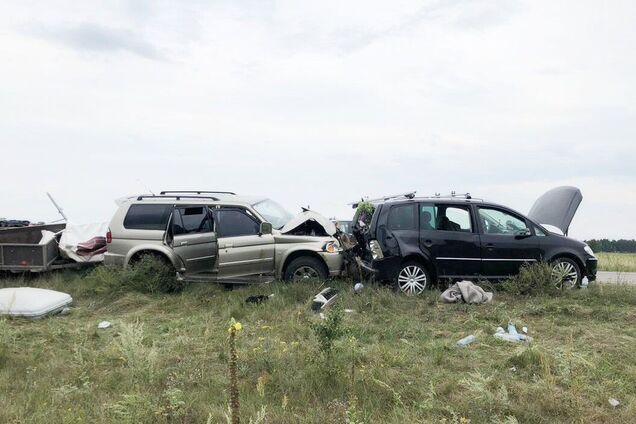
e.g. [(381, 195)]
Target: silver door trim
[(487, 259), (458, 259)]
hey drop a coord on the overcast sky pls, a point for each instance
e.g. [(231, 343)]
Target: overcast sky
[(319, 103)]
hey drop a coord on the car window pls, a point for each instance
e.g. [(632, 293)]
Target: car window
[(453, 218), (147, 217), (495, 221), (236, 222), (192, 220), (428, 217), (403, 217)]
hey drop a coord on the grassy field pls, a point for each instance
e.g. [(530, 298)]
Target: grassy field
[(620, 262), (165, 360)]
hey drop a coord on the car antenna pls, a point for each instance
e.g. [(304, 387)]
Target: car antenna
[(59, 209), (145, 186)]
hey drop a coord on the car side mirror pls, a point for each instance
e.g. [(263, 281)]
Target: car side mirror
[(522, 233), (266, 228)]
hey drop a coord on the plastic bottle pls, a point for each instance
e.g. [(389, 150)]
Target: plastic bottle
[(466, 340)]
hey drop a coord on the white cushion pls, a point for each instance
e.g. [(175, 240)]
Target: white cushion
[(32, 302)]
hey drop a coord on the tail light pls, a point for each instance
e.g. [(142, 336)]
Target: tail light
[(109, 237)]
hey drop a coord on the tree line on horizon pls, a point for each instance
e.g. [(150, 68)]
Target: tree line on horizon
[(606, 245)]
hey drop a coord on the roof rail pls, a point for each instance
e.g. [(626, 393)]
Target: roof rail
[(196, 192), (454, 195), (408, 195), (176, 197)]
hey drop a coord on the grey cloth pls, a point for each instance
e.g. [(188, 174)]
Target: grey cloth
[(465, 291)]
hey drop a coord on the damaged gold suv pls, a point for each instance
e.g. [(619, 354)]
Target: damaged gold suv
[(219, 236)]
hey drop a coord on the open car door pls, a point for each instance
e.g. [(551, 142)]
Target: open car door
[(193, 238)]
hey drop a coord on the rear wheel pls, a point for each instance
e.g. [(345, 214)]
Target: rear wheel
[(305, 268), (412, 279), (566, 273)]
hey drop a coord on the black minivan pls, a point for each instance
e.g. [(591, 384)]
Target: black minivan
[(417, 241)]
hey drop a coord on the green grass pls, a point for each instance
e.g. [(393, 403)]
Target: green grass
[(165, 359), (619, 262)]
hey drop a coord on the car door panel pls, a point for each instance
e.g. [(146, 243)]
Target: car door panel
[(193, 238), (503, 249)]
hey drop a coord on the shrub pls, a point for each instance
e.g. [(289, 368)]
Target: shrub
[(329, 330), (533, 279)]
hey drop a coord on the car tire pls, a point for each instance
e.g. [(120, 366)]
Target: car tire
[(305, 268), (566, 273), (412, 279)]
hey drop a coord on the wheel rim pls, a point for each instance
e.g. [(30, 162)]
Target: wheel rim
[(412, 280), (305, 273), (565, 275)]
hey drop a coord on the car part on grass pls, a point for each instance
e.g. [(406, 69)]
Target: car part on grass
[(466, 292), (324, 299), (31, 302), (357, 288), (104, 325)]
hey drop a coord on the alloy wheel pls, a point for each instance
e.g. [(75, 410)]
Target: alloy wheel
[(305, 273), (565, 275), (412, 280)]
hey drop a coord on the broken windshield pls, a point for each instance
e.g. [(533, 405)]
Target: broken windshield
[(273, 213)]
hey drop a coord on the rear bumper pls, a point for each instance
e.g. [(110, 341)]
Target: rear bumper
[(591, 264), (113, 259)]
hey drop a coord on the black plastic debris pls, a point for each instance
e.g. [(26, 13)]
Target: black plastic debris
[(259, 298)]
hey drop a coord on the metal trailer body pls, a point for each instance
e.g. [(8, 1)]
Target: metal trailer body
[(20, 249)]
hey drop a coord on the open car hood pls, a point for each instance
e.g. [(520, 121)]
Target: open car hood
[(309, 222), (556, 207)]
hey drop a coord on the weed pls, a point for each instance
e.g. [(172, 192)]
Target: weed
[(140, 359), (329, 330), (532, 280)]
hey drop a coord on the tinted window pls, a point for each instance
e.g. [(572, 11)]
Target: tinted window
[(403, 217), (192, 220), (428, 217), (236, 222), (495, 221), (147, 217)]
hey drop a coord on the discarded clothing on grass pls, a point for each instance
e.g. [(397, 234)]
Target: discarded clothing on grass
[(465, 291)]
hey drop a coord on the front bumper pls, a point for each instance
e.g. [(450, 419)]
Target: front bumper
[(591, 264), (334, 262)]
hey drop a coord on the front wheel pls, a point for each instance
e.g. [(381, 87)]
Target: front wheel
[(305, 268), (412, 279), (566, 273)]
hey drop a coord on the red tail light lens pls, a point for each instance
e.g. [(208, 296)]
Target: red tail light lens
[(109, 237)]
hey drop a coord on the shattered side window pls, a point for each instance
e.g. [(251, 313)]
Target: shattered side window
[(403, 217)]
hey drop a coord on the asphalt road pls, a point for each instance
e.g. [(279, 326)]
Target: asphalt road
[(616, 277)]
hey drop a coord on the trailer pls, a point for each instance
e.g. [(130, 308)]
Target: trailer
[(20, 250)]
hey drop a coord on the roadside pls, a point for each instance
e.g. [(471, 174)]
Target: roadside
[(616, 277)]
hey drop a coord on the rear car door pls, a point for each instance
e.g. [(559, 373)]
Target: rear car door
[(448, 236), (242, 249), (507, 242), (194, 239)]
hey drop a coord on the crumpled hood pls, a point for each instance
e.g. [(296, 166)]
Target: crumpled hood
[(556, 207), (305, 216)]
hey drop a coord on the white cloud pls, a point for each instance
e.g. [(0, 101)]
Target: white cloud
[(319, 103)]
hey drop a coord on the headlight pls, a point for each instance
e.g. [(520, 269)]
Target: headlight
[(332, 247), (589, 250), (376, 250)]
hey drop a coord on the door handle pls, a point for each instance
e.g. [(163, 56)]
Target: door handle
[(183, 243), (490, 246), (428, 243)]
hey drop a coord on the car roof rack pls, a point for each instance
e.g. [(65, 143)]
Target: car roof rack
[(455, 195), (196, 192), (408, 195), (176, 197)]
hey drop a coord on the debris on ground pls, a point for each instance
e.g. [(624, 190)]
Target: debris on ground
[(349, 311), (259, 298), (357, 287), (104, 324), (467, 292), (613, 402), (31, 302), (512, 335), (324, 299), (466, 340)]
